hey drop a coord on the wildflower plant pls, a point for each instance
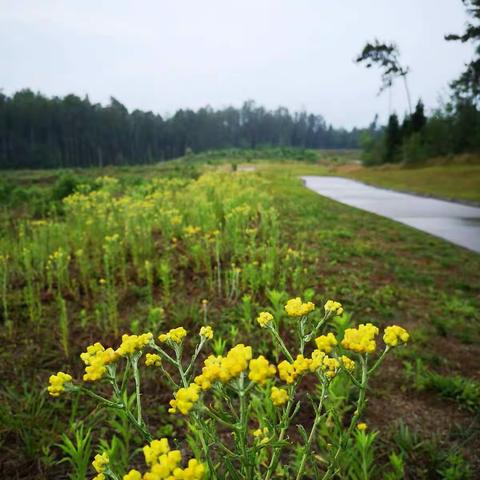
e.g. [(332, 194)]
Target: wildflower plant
[(241, 408)]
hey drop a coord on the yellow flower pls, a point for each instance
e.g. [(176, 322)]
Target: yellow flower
[(325, 343), (184, 399), (279, 396), (362, 426), (264, 318), (348, 363), (133, 343), (286, 372), (57, 382), (164, 466), (153, 360), (206, 332), (361, 339), (133, 475), (194, 471), (301, 365), (333, 307), (296, 308), (317, 360), (261, 370), (100, 476), (394, 335), (156, 448), (96, 359), (174, 335), (100, 462), (235, 362), (210, 372), (330, 365), (261, 434)]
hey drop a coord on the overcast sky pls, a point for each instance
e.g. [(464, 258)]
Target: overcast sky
[(163, 55)]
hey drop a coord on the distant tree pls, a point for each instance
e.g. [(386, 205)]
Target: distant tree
[(467, 86), (387, 58), (393, 140), (418, 118), (41, 132)]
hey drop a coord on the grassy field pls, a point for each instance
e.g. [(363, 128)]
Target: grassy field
[(450, 181), (146, 248)]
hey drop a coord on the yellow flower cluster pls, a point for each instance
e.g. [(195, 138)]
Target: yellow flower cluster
[(325, 343), (301, 365), (153, 451), (296, 308), (260, 370), (206, 332), (330, 366), (348, 363), (264, 318), (286, 372), (96, 359), (100, 463), (224, 368), (133, 343), (57, 382), (175, 335), (362, 426), (361, 339), (210, 372), (164, 463), (260, 432), (289, 372), (279, 396), (133, 475), (184, 399), (191, 230), (153, 360), (394, 335), (333, 307), (316, 360)]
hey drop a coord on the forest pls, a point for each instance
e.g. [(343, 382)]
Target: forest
[(453, 128), (41, 132)]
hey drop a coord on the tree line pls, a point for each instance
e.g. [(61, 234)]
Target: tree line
[(41, 132), (452, 129)]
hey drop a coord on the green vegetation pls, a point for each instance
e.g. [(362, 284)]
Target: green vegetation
[(450, 181), (71, 132), (454, 128), (139, 251)]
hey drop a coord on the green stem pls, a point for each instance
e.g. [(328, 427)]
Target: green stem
[(206, 450), (359, 409), (379, 361), (308, 446), (141, 428), (280, 342), (285, 421), (163, 354), (108, 403), (195, 356), (136, 376), (178, 363), (243, 424)]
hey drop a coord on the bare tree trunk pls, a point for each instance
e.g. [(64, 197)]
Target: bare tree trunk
[(407, 91)]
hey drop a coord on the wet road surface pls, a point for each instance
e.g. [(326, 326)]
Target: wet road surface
[(457, 223)]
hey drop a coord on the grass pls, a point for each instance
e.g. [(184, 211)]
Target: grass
[(451, 181), (381, 271)]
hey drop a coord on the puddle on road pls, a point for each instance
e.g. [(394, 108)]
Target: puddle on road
[(457, 223)]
